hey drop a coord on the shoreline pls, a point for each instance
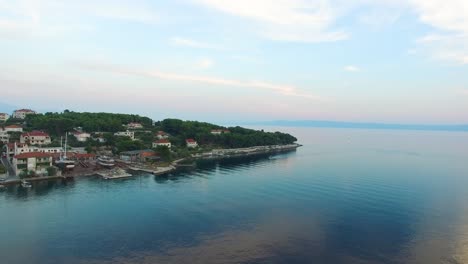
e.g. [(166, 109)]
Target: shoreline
[(215, 154)]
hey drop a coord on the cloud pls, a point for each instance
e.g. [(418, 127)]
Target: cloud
[(50, 18), (352, 68), (186, 42), (449, 19), (286, 90), (285, 20), (205, 63)]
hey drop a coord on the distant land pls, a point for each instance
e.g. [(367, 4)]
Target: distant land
[(357, 125)]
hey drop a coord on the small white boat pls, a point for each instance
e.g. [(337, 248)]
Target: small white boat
[(26, 184)]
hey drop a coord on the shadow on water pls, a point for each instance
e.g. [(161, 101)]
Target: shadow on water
[(204, 167), (39, 188)]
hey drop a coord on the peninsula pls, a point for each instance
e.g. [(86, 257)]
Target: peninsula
[(67, 144)]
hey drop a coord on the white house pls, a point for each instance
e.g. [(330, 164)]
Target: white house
[(37, 162), (216, 131), (4, 117), (14, 128), (22, 113), (162, 142), (127, 133), (35, 138), (13, 149), (134, 125), (81, 136), (162, 135), (4, 136), (191, 143)]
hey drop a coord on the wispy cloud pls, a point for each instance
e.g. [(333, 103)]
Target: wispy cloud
[(186, 42), (286, 90), (285, 20), (352, 68), (449, 41)]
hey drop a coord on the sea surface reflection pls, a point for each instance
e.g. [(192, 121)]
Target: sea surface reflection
[(346, 196)]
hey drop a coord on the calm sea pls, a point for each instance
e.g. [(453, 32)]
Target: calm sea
[(346, 196)]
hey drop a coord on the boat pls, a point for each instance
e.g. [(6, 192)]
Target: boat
[(106, 161), (26, 184), (63, 162)]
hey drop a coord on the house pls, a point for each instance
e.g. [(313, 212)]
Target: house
[(35, 138), (81, 136), (127, 133), (162, 142), (4, 136), (138, 155), (219, 131), (4, 117), (191, 143), (22, 113), (134, 125), (14, 128), (162, 135), (37, 162), (12, 149), (20, 148), (216, 131)]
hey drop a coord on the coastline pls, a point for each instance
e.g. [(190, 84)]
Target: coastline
[(215, 154)]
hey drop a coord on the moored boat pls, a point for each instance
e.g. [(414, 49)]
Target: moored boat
[(106, 161), (26, 184)]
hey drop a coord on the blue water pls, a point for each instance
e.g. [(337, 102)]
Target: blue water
[(346, 196)]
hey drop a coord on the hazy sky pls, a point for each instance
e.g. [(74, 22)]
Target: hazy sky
[(219, 60)]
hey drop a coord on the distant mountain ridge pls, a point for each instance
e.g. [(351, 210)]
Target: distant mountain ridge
[(339, 124)]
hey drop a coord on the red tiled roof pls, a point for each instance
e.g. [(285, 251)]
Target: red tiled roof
[(35, 133), (32, 155), (190, 140), (161, 133), (13, 126), (12, 145), (25, 110), (163, 141)]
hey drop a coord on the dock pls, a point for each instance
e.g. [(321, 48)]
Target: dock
[(116, 173), (154, 170)]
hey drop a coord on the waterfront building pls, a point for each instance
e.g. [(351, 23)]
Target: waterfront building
[(22, 113), (139, 155), (14, 128), (4, 117), (35, 138), (38, 162), (127, 133), (162, 142), (191, 143)]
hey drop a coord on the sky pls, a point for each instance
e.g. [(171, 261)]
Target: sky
[(389, 61)]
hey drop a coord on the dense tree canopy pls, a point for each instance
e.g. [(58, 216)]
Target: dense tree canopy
[(233, 137), (59, 123)]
